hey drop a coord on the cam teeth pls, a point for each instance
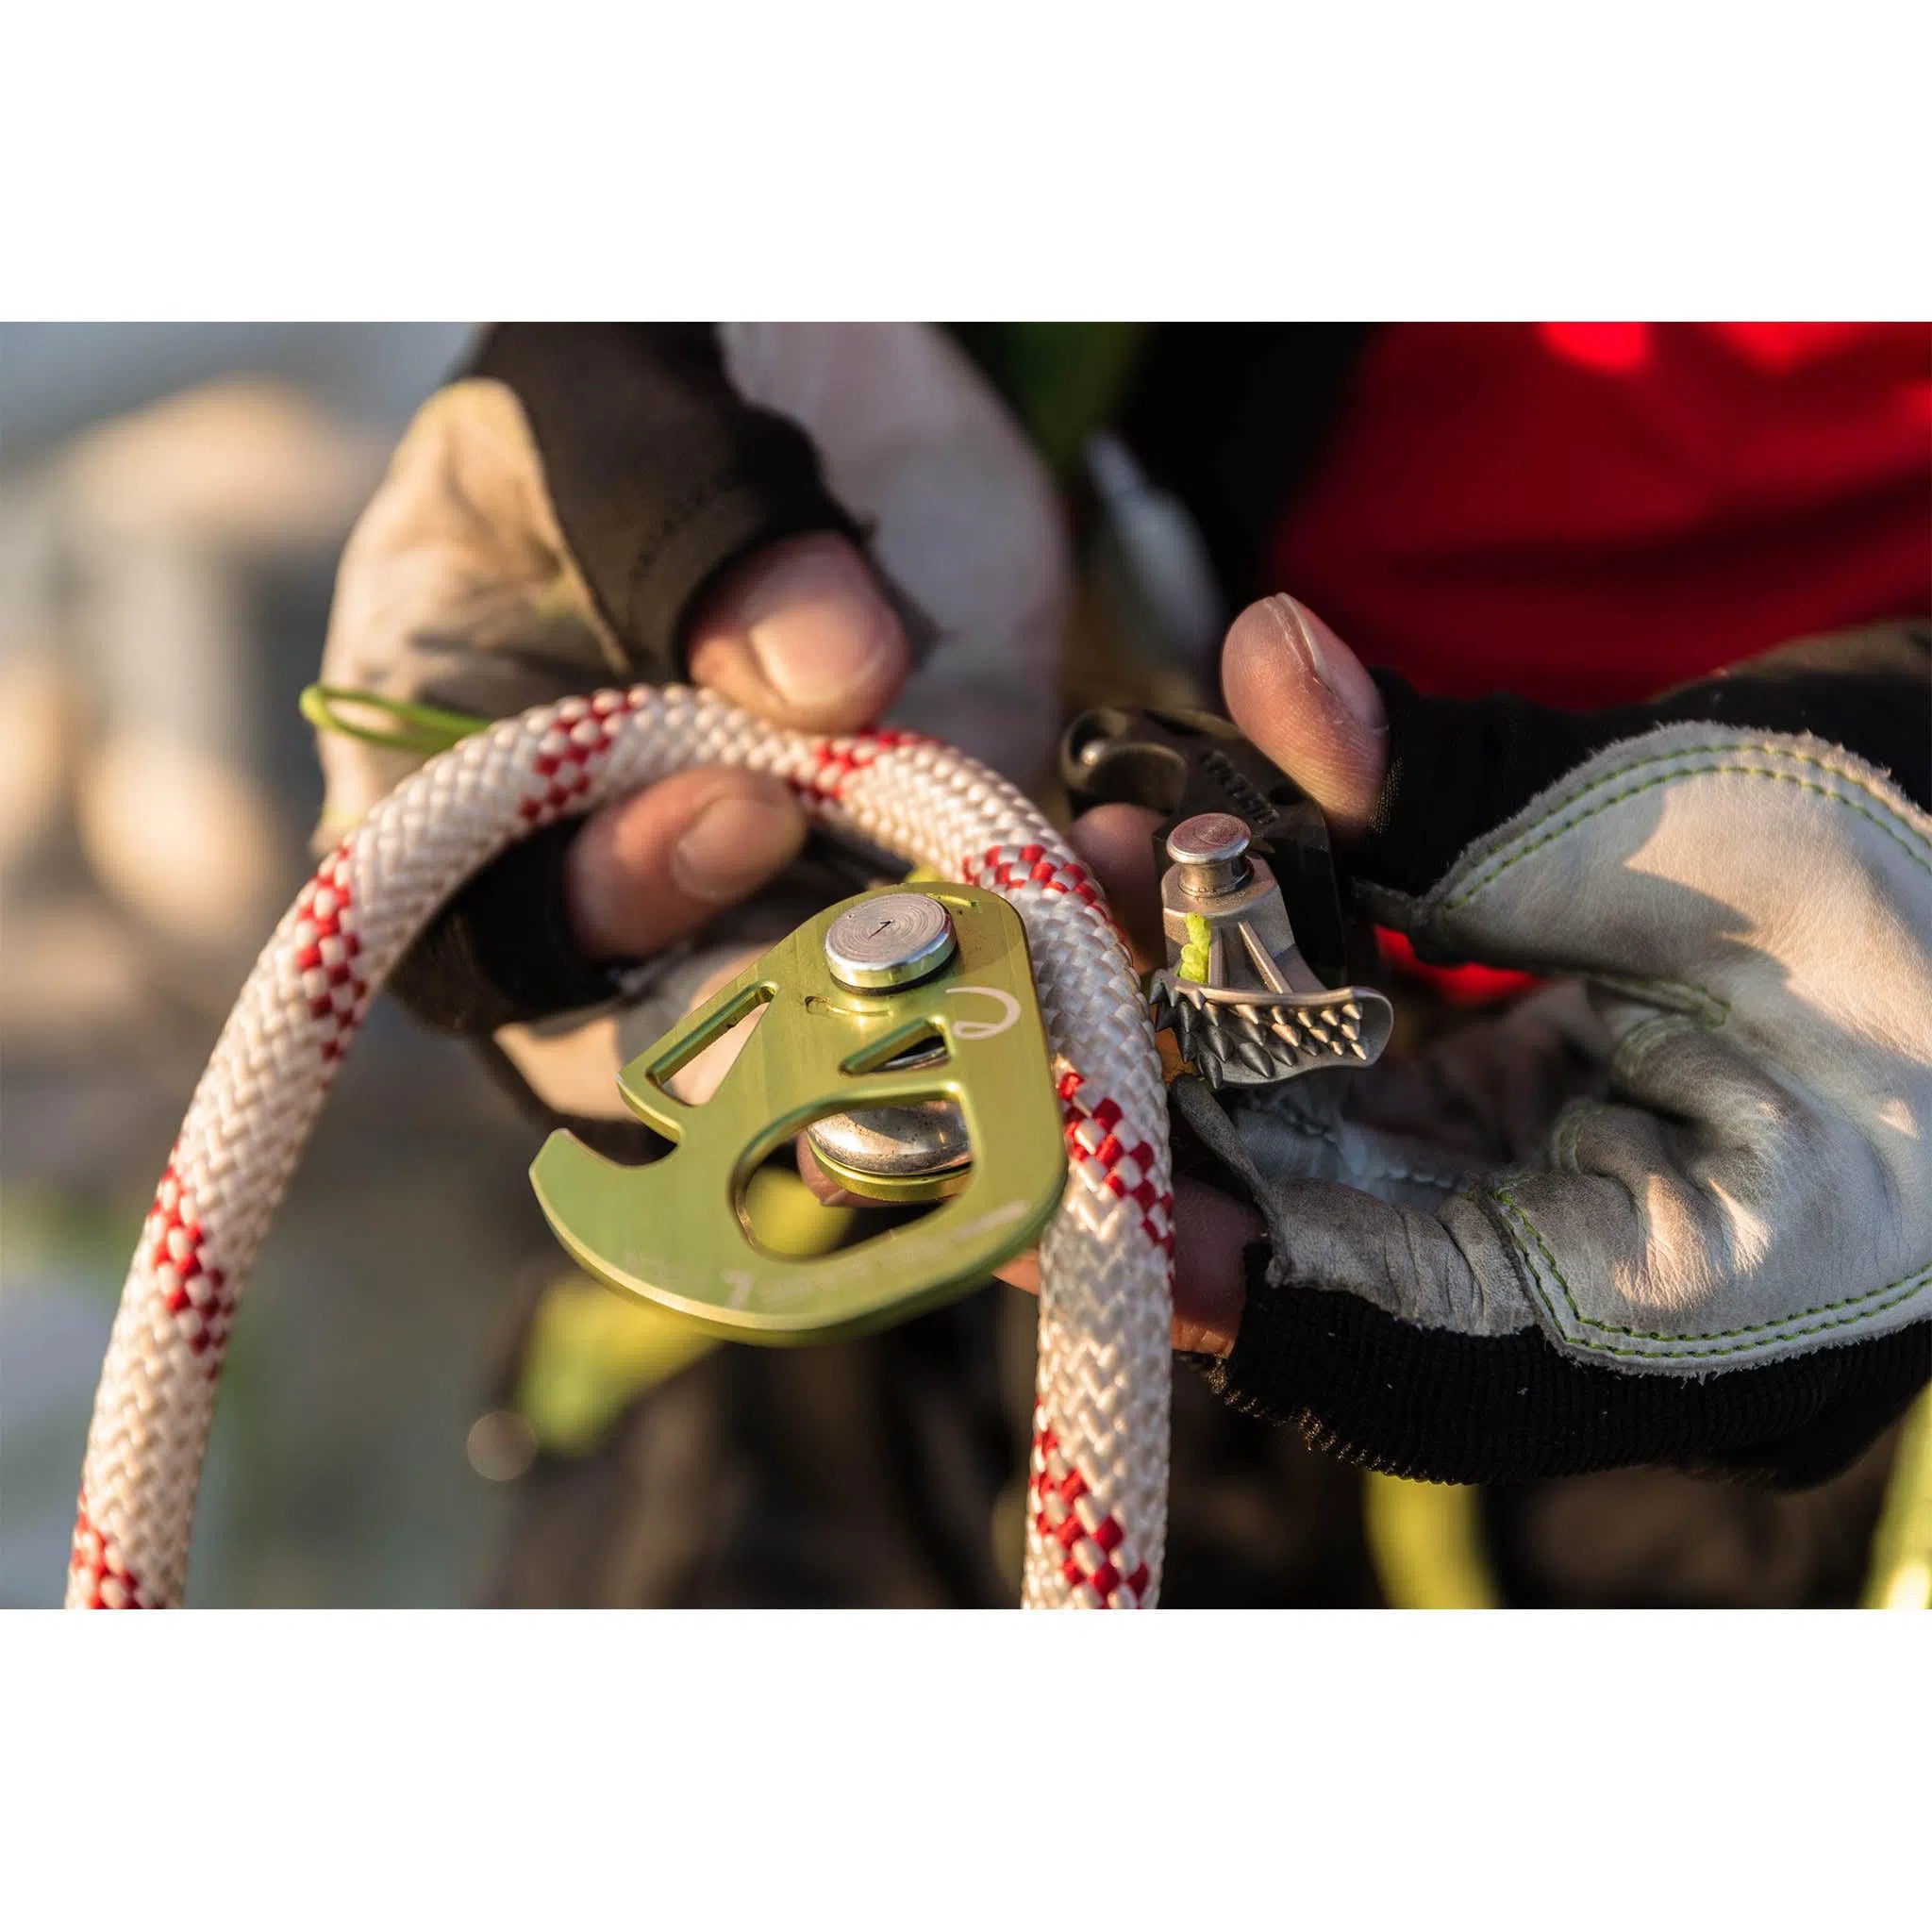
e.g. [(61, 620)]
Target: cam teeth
[(1249, 1043)]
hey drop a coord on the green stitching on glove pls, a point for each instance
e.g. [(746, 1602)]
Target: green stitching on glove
[(1886, 826), (1870, 1301)]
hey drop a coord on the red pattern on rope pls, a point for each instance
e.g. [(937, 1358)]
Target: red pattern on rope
[(1009, 870), (111, 1585), (1066, 1512), (1032, 866), (1126, 1172), (178, 1257), (840, 760), (325, 950), (583, 733)]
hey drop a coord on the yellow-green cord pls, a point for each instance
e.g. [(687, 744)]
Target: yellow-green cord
[(423, 728)]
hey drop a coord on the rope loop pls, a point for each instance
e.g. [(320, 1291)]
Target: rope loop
[(1098, 1493)]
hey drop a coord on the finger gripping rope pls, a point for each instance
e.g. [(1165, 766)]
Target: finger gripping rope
[(1098, 1483)]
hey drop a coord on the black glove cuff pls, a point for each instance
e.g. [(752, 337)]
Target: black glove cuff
[(501, 950), (1446, 1407), (672, 580)]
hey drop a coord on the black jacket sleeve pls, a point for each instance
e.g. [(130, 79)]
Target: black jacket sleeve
[(661, 476)]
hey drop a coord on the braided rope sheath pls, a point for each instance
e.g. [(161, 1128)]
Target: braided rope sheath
[(1099, 1467)]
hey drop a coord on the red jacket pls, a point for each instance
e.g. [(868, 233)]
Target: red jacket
[(1587, 512)]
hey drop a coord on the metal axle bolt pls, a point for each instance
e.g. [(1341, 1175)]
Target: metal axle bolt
[(1210, 854)]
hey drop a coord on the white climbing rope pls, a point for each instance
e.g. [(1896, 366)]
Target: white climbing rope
[(1098, 1514)]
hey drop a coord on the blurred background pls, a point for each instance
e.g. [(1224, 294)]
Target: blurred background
[(172, 499)]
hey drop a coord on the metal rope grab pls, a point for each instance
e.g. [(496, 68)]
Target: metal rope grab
[(1098, 1480)]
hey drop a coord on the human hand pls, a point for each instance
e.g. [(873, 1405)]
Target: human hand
[(1719, 1255), (612, 504)]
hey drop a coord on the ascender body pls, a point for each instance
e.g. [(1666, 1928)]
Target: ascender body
[(967, 1030)]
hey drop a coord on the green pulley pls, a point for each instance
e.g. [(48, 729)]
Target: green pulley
[(882, 1005)]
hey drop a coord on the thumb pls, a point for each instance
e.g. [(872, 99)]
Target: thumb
[(1408, 781), (1304, 700), (654, 868), (801, 633)]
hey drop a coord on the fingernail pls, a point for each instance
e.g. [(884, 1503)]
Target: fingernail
[(1315, 647), (818, 626), (735, 844)]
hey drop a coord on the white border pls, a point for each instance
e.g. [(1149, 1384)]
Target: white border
[(1661, 160), (863, 1769)]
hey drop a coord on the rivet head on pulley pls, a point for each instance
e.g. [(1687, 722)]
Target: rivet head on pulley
[(891, 940)]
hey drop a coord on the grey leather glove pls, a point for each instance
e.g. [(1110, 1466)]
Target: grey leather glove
[(1679, 1207)]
